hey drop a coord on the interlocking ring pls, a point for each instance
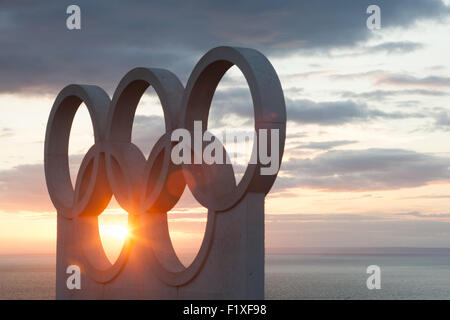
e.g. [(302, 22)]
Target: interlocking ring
[(114, 165)]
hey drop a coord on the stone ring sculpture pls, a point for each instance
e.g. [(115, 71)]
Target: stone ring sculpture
[(145, 188)]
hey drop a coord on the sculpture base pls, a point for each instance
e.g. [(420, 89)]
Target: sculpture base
[(231, 266)]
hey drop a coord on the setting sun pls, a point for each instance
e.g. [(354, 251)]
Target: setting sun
[(114, 231), (113, 237)]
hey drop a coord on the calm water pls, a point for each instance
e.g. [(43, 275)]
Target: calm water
[(299, 276), (344, 277)]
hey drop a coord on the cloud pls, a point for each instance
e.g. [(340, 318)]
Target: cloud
[(398, 79), (146, 131), (384, 94), (305, 75), (238, 102), (362, 170), (394, 47), (428, 215), (357, 75), (408, 80), (359, 231), (441, 118), (40, 55), (235, 103), (350, 217), (326, 145), (317, 217), (6, 133), (391, 47), (337, 112), (429, 196), (23, 188)]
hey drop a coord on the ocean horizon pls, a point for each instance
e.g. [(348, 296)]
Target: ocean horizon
[(291, 273)]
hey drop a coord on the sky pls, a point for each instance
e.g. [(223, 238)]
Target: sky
[(366, 162)]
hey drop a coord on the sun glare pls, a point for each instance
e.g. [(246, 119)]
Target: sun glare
[(113, 237), (114, 231)]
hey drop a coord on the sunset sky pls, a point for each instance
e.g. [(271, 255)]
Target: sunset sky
[(367, 154)]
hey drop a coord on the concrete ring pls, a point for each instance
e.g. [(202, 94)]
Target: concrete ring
[(120, 122), (268, 102), (56, 158)]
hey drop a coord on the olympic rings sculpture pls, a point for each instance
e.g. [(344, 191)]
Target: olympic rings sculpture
[(115, 166)]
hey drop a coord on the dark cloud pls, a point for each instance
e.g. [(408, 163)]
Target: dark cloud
[(238, 102), (40, 55), (338, 112), (362, 170)]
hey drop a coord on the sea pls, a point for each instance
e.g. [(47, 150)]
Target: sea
[(405, 273)]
